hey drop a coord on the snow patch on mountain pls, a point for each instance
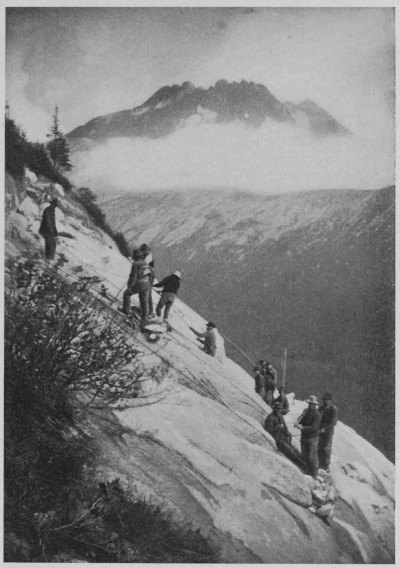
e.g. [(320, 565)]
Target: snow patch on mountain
[(139, 110), (201, 116)]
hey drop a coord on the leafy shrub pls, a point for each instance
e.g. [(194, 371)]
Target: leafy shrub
[(61, 359), (54, 335)]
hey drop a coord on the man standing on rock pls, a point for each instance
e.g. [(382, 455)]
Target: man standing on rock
[(148, 257), (48, 230), (271, 377), (329, 417), (308, 423), (138, 282), (260, 381)]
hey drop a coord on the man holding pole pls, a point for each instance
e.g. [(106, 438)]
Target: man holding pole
[(271, 376), (282, 398)]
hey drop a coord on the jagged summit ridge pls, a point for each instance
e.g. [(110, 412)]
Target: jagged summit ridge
[(171, 106)]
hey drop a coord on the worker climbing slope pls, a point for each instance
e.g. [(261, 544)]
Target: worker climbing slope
[(170, 285), (138, 282), (207, 338)]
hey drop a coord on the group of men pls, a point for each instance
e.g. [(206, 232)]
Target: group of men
[(266, 378), (141, 282), (316, 425), (141, 277)]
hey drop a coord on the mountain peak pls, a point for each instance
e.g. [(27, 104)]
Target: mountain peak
[(321, 123), (172, 105)]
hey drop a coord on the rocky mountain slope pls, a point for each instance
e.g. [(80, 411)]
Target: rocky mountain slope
[(172, 106), (311, 272), (200, 451)]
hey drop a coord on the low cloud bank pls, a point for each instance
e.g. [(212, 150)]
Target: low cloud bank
[(273, 158)]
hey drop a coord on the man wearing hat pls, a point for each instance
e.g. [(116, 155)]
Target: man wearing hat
[(48, 229), (308, 423), (329, 417), (170, 285), (210, 340), (276, 426)]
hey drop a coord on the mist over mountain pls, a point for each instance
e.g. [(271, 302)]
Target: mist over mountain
[(312, 272), (171, 106), (230, 135)]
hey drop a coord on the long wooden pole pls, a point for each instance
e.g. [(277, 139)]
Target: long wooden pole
[(284, 372)]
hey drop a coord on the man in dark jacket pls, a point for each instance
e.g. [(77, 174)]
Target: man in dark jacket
[(170, 285), (260, 381), (271, 377), (48, 229), (148, 257), (210, 340), (282, 398), (276, 426), (138, 282), (308, 423), (329, 417)]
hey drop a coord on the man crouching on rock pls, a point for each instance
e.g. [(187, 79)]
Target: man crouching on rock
[(210, 340)]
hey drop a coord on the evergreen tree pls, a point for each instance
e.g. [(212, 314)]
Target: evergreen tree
[(15, 148), (58, 146)]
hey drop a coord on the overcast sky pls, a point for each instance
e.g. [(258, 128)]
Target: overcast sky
[(93, 61)]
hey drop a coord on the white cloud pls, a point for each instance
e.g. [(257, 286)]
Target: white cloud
[(34, 122), (272, 158), (97, 61)]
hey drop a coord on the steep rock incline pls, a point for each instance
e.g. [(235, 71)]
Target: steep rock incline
[(313, 272), (201, 451)]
